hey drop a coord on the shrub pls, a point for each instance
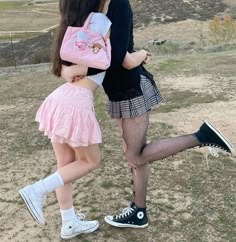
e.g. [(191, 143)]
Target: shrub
[(222, 29)]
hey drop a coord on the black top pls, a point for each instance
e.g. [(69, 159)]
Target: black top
[(120, 83)]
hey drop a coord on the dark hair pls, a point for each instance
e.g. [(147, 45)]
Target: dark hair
[(73, 13)]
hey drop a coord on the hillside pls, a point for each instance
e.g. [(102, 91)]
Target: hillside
[(147, 14), (29, 51), (156, 11)]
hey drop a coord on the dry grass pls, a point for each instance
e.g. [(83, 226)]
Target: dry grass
[(19, 16), (191, 196), (222, 29)]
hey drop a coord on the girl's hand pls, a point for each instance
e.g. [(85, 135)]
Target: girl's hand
[(77, 78), (73, 73), (147, 58)]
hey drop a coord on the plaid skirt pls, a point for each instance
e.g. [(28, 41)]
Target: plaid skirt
[(139, 105)]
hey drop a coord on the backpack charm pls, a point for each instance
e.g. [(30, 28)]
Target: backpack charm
[(96, 47), (81, 40)]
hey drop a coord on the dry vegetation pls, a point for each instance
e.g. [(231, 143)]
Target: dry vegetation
[(191, 196), (222, 29), (20, 16)]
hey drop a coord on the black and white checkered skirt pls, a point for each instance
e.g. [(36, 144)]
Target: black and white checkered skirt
[(139, 105)]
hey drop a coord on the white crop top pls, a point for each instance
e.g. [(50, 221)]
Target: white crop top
[(101, 24)]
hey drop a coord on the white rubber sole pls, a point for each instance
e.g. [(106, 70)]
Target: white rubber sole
[(228, 144), (65, 237), (30, 206), (120, 225)]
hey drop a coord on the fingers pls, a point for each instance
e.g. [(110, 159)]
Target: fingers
[(148, 53), (77, 78), (132, 165), (147, 59)]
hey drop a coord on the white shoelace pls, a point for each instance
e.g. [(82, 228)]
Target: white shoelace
[(81, 222), (79, 216), (126, 212), (213, 152)]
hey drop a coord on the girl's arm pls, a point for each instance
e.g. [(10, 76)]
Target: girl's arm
[(69, 72), (134, 59)]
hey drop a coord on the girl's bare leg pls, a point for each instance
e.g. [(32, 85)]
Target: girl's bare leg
[(64, 155), (88, 159)]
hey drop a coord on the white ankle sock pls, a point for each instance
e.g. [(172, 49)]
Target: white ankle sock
[(67, 215), (52, 182)]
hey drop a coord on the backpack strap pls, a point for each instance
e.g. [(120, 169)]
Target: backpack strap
[(87, 21)]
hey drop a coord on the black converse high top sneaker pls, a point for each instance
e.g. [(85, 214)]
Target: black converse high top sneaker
[(131, 217), (208, 135)]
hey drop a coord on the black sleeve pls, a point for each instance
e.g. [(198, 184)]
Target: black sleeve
[(120, 31), (120, 17)]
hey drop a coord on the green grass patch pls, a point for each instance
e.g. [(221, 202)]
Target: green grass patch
[(12, 5), (95, 210), (157, 130), (167, 48), (182, 99), (171, 65), (192, 64), (107, 184)]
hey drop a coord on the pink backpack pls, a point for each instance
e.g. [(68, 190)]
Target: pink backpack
[(85, 47)]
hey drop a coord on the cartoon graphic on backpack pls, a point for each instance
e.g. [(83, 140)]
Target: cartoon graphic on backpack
[(85, 47), (81, 40)]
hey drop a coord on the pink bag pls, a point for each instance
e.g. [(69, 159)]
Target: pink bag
[(85, 47)]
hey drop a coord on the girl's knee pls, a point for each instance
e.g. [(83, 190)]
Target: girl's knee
[(131, 156), (94, 163), (63, 163)]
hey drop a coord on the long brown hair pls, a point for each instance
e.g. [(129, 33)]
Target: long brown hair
[(102, 4), (73, 13)]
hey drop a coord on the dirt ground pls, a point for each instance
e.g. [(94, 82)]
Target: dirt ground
[(191, 195)]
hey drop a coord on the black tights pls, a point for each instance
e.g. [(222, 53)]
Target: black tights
[(134, 131)]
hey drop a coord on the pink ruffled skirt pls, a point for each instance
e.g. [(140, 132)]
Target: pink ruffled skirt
[(67, 116)]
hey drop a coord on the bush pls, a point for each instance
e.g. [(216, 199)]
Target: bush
[(222, 30)]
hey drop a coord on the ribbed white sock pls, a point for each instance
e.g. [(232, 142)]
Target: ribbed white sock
[(67, 215), (52, 182)]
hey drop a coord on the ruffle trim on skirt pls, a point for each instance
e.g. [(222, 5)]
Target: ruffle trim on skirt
[(65, 123)]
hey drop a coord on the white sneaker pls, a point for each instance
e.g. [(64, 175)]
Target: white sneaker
[(78, 226), (34, 200)]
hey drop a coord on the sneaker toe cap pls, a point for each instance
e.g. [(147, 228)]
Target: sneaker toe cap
[(109, 217), (95, 223)]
